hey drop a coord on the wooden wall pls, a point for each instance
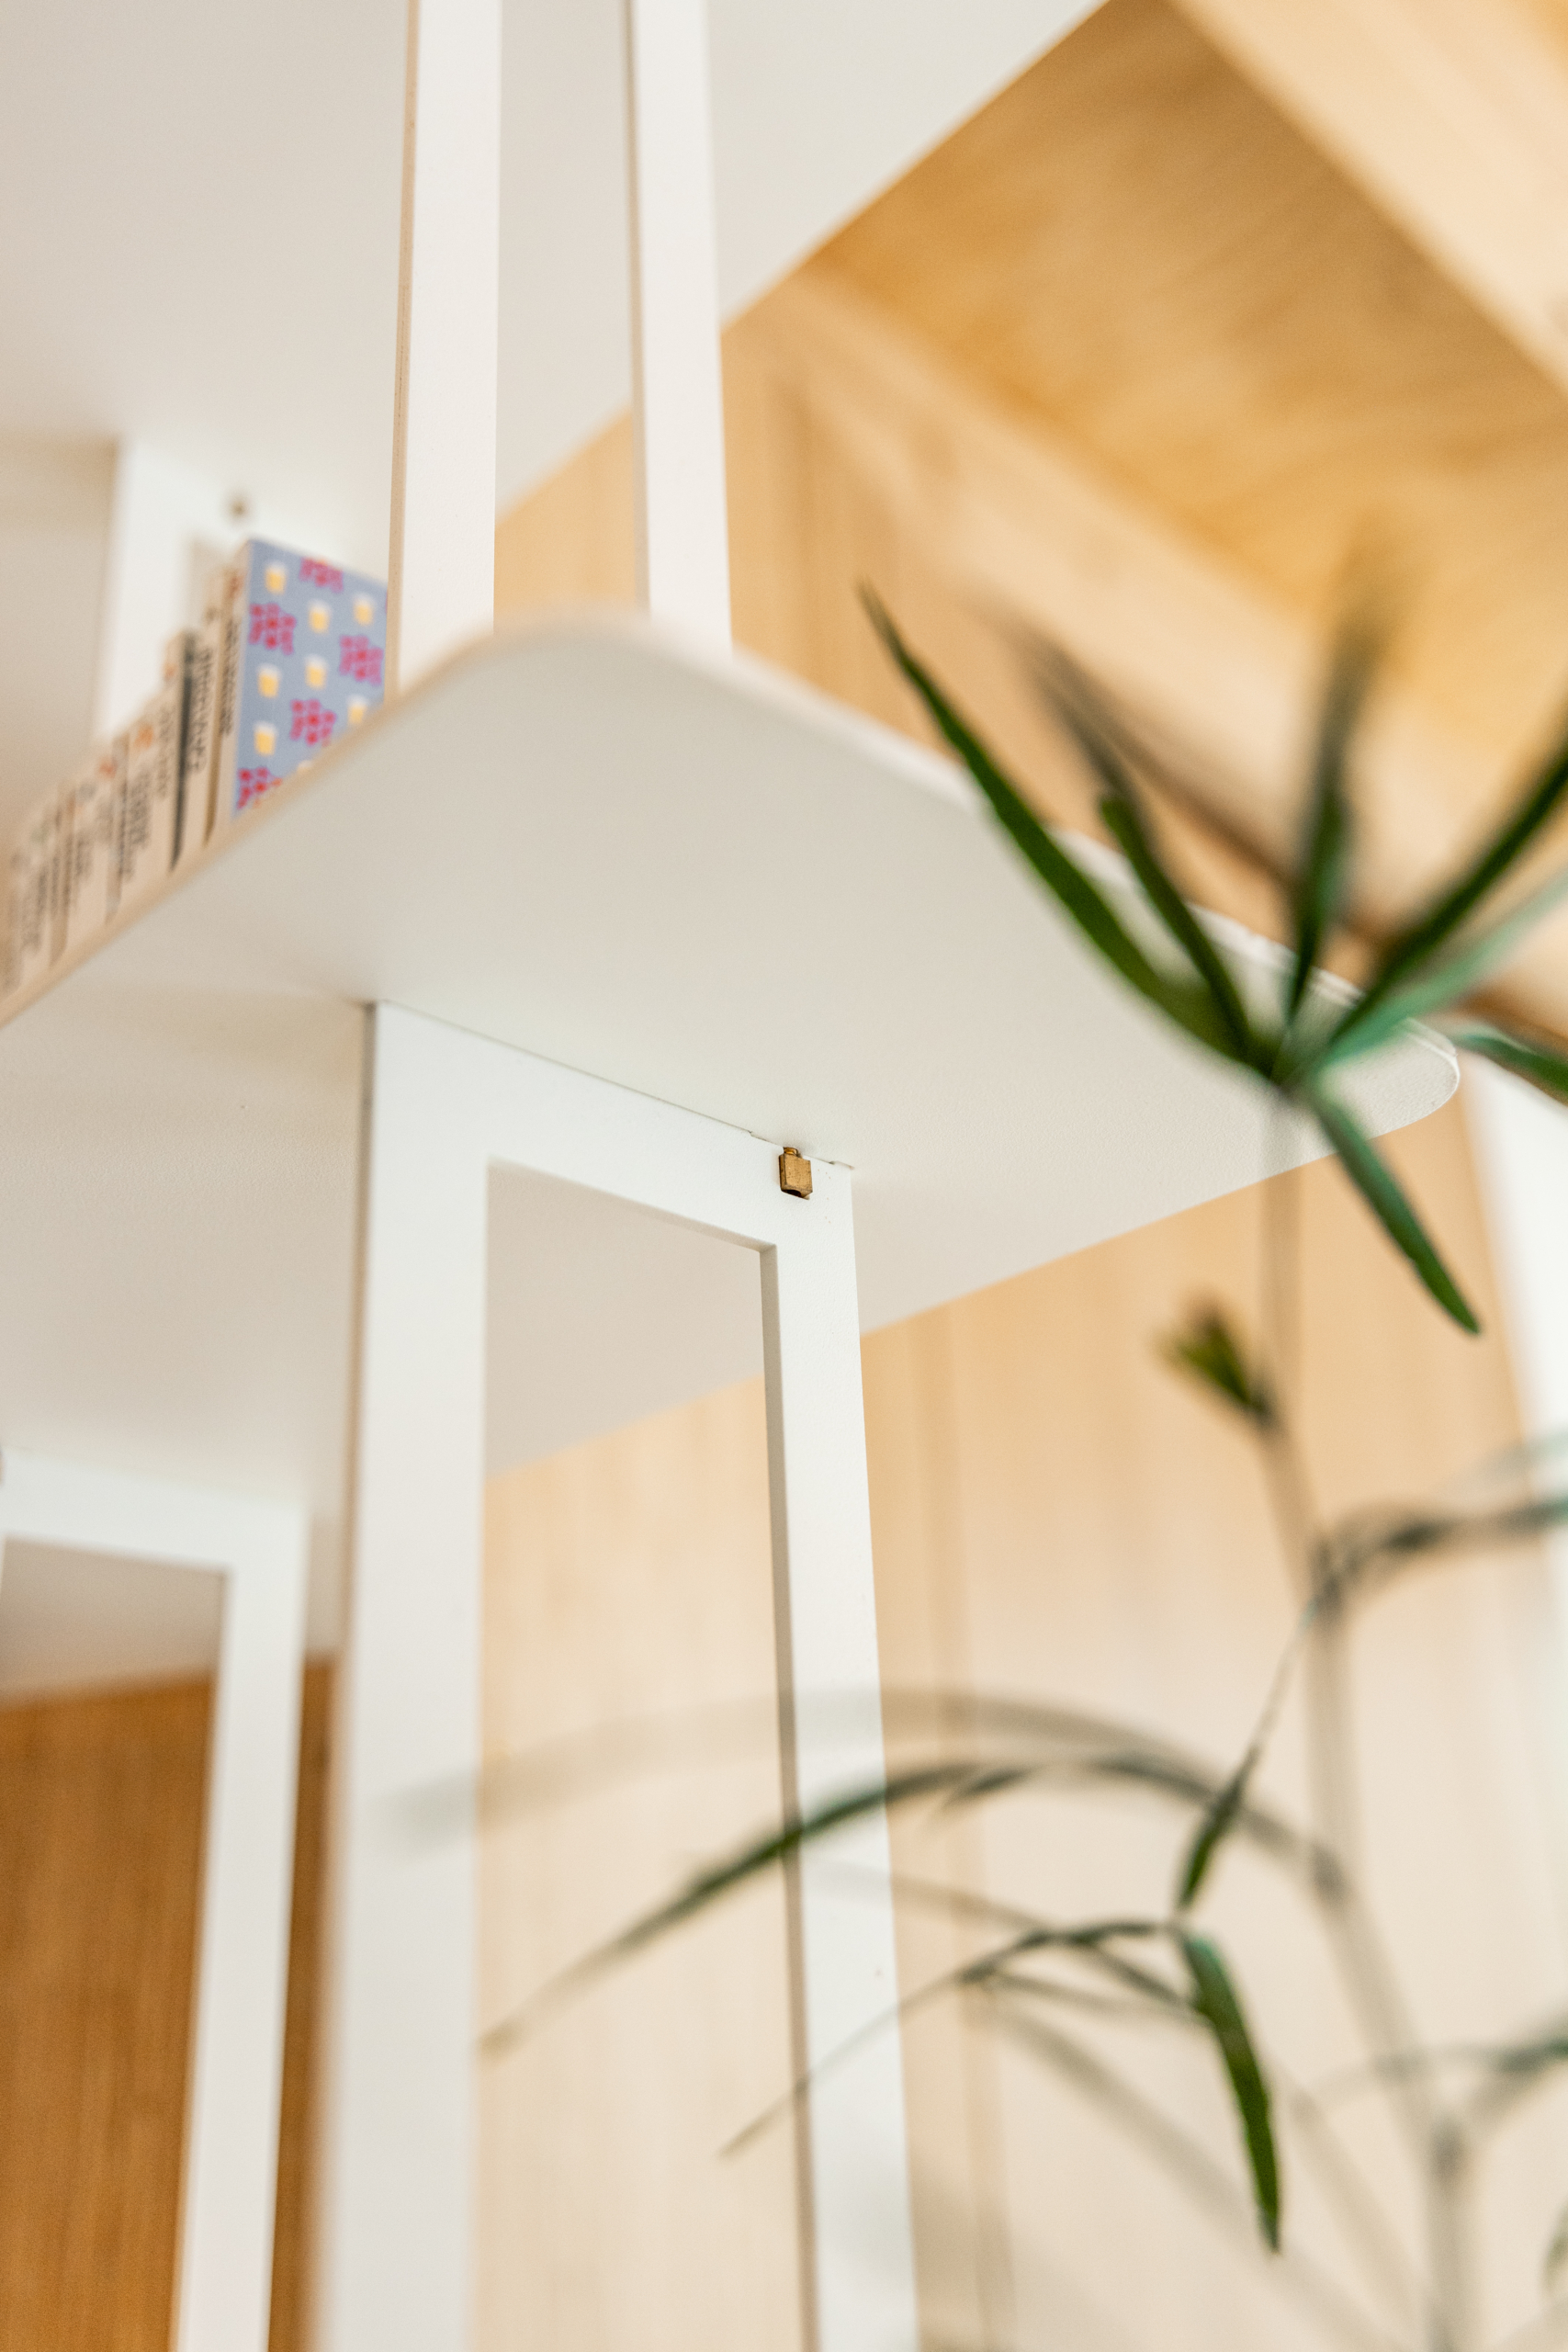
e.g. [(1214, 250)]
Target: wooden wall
[(629, 1583), (1056, 1518), (1127, 363), (102, 1800), (101, 1803)]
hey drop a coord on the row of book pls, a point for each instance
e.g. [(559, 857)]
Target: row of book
[(290, 656)]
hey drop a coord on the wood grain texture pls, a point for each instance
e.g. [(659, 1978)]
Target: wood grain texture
[(102, 1803), (101, 1809), (1454, 118), (1128, 363), (1057, 1518), (629, 1662), (1133, 246), (1130, 358)]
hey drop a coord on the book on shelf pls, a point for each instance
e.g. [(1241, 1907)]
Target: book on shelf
[(153, 779), (289, 658), (225, 592), (203, 692), (95, 800), (305, 654), (36, 891)]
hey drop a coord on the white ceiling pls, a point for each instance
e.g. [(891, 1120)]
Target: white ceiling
[(201, 211)]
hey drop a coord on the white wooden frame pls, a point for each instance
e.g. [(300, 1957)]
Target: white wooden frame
[(231, 2164), (682, 530), (442, 555), (440, 569), (446, 1107)]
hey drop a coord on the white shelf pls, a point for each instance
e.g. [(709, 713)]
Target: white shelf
[(683, 874)]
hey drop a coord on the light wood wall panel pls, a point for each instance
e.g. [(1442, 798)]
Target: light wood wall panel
[(628, 1587), (1060, 1516), (1455, 121), (1129, 352), (1128, 363), (1134, 245), (1056, 1518), (101, 1806)]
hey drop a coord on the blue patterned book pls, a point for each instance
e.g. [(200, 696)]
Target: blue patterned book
[(305, 655)]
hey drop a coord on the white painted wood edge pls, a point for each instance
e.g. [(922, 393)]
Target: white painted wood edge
[(446, 1107), (236, 2070), (683, 531), (441, 568)]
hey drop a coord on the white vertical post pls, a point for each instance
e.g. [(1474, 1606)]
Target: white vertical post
[(397, 2139), (1521, 1146), (445, 1105), (440, 587), (677, 388), (1521, 1141), (864, 2269)]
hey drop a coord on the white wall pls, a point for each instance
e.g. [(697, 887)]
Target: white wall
[(54, 520)]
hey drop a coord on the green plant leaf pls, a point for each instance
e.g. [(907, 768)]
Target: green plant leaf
[(1121, 812), (1323, 868), (1530, 2058), (1556, 2255), (1218, 1819), (709, 1886), (1189, 1007), (1418, 941), (1418, 1535), (1209, 1350), (1123, 821), (1450, 979), (1539, 1064), (1215, 2000), (1385, 1197)]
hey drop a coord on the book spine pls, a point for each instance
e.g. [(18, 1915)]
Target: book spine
[(235, 607), (120, 769), (58, 868), (17, 871), (170, 724), (201, 722), (40, 884), (89, 846), (136, 853)]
